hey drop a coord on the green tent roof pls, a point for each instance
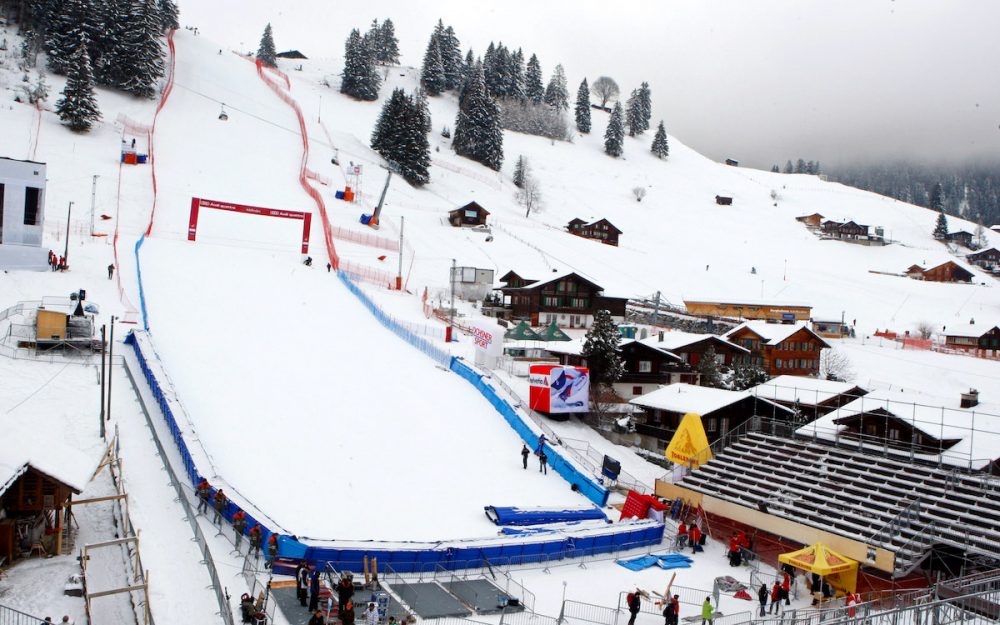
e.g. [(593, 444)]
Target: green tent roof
[(523, 332), (553, 333)]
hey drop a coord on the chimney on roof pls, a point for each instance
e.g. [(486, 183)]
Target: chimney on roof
[(970, 399), (660, 336)]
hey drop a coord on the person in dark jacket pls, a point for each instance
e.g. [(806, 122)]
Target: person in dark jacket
[(220, 501), (313, 590), (634, 605), (272, 550), (673, 611), (202, 492), (302, 583), (543, 462), (255, 535), (525, 452), (345, 591), (347, 616), (317, 618), (762, 597), (239, 526)]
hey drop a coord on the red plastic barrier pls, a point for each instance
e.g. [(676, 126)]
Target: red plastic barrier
[(159, 107)]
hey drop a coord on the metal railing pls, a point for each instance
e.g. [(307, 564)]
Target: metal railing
[(589, 613), (10, 616), (527, 618), (906, 518), (595, 459), (225, 612)]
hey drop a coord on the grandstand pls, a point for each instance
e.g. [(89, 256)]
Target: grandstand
[(884, 500)]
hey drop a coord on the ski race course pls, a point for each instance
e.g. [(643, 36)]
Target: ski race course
[(315, 427)]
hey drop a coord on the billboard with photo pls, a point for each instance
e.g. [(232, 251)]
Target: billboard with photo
[(558, 389)]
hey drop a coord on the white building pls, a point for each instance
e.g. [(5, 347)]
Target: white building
[(22, 214)]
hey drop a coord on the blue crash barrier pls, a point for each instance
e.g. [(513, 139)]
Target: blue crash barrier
[(512, 515)]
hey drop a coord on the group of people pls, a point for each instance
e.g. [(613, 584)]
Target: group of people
[(671, 611), (780, 592), (543, 459), (739, 548), (307, 586), (219, 503), (690, 535), (56, 262)]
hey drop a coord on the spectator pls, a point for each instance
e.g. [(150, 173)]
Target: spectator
[(694, 538), (317, 618), (786, 586), (111, 270), (707, 611), (345, 590), (525, 452), (682, 535), (347, 616), (203, 491), (255, 535), (313, 589), (543, 462), (634, 605), (272, 550), (762, 597), (775, 598), (674, 605), (371, 614), (734, 550), (220, 506)]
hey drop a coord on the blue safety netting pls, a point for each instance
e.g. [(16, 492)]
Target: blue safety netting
[(512, 515)]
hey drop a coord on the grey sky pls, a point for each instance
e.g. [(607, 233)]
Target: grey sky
[(758, 80)]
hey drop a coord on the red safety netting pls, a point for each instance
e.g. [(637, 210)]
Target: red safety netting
[(159, 107), (303, 179)]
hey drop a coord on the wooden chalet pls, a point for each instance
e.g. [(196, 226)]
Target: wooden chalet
[(988, 260), (974, 337), (961, 237), (568, 299), (785, 312), (809, 397), (721, 411), (291, 54), (472, 214), (601, 230), (849, 230), (881, 425), (690, 347), (723, 200), (647, 367), (791, 349), (949, 271), (812, 221)]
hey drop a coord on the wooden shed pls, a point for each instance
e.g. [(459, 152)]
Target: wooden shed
[(813, 221), (472, 214), (723, 200), (948, 272), (601, 230)]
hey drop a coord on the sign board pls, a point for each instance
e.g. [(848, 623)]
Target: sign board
[(558, 389), (198, 203), (611, 468), (689, 446), (488, 337)]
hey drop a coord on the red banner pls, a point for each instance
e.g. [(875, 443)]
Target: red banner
[(197, 203)]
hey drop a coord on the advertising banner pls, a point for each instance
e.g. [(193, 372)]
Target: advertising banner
[(689, 446), (557, 389), (198, 203)]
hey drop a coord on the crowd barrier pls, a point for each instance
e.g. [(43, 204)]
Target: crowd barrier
[(557, 461)]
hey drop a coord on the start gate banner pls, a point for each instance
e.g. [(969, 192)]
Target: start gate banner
[(198, 203), (558, 389)]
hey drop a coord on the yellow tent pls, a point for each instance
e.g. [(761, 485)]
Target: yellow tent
[(840, 571), (689, 445)]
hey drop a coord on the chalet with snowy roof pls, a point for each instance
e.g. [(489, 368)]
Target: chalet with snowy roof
[(961, 237), (568, 299), (987, 260), (785, 312), (974, 338), (792, 349), (721, 411), (690, 347), (472, 214), (601, 230), (846, 231), (809, 397), (949, 271), (291, 54), (38, 478), (812, 221), (831, 328)]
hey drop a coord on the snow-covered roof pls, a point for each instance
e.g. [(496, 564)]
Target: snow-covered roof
[(977, 429), (686, 398), (801, 389), (20, 448), (675, 340), (970, 330), (745, 302), (572, 348), (772, 333)]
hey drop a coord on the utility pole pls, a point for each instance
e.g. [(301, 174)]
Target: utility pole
[(451, 317), (111, 369), (104, 345), (93, 203), (399, 274), (69, 211), (656, 311)]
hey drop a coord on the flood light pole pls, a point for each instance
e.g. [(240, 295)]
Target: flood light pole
[(93, 203), (111, 354), (103, 354), (69, 211), (399, 274), (451, 317)]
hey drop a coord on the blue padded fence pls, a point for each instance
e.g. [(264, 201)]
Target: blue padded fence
[(138, 273), (586, 484)]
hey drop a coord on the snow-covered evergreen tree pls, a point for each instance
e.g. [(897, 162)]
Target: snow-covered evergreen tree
[(400, 136), (117, 66), (660, 148), (583, 108), (600, 348), (534, 90), (517, 77), (451, 58), (800, 166), (748, 376), (78, 106), (789, 168), (710, 368), (388, 53), (614, 136), (643, 109), (169, 15), (489, 68), (941, 227), (520, 171), (360, 80), (135, 63), (632, 112), (477, 129), (937, 197), (775, 169), (69, 22), (557, 93), (499, 87), (266, 51), (432, 76)]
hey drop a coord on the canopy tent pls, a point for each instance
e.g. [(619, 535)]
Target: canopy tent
[(839, 571), (553, 333), (523, 332)]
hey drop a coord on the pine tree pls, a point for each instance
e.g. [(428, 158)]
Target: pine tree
[(140, 59), (400, 136), (937, 197), (660, 147), (420, 99), (775, 169), (117, 66), (583, 107), (534, 90), (632, 112), (520, 171), (451, 58), (373, 39), (600, 348), (388, 53), (517, 78), (477, 129), (432, 76), (709, 366), (614, 136), (78, 106), (500, 86), (644, 108), (489, 65), (468, 70), (800, 166), (788, 167), (359, 80), (169, 15), (941, 227), (266, 52), (557, 93), (69, 24)]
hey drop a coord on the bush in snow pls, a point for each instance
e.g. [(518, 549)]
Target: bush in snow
[(534, 119)]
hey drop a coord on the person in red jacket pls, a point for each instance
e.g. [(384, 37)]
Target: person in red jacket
[(775, 599), (694, 538), (734, 550), (786, 587), (682, 535)]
